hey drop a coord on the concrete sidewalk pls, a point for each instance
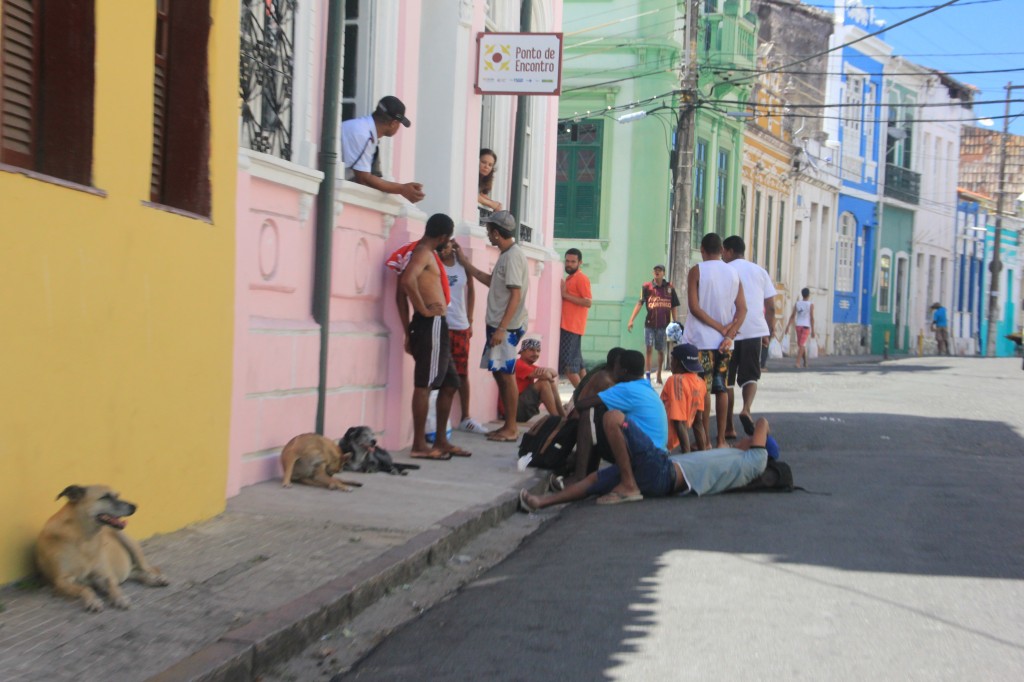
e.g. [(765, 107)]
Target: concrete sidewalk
[(266, 577)]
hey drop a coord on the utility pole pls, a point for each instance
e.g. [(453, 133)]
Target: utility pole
[(682, 189), (995, 266)]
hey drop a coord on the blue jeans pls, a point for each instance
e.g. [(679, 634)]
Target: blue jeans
[(655, 474)]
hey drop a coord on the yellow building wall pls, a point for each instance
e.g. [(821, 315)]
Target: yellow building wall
[(115, 351)]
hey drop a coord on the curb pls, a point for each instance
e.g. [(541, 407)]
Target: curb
[(279, 634)]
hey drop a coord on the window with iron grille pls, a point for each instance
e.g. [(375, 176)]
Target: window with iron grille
[(181, 107), (700, 180), (266, 75), (845, 251), (47, 57), (755, 231), (782, 231), (762, 257), (578, 180), (721, 192)]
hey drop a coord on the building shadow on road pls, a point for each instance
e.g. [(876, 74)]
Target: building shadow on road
[(905, 496)]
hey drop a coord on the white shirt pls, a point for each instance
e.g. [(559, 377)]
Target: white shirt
[(358, 144), (757, 286), (457, 317), (803, 313), (716, 293)]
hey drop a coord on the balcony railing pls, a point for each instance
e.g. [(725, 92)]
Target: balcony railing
[(727, 41), (902, 183)]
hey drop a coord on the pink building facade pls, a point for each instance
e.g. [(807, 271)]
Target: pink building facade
[(424, 52)]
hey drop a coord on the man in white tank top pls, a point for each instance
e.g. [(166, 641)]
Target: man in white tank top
[(717, 309)]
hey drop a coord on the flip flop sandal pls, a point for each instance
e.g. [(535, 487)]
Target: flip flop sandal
[(459, 452), (619, 498), (524, 506), (748, 424), (440, 455)]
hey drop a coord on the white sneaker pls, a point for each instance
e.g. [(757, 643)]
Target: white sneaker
[(473, 426)]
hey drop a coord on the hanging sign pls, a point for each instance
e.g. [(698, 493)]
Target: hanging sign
[(518, 64)]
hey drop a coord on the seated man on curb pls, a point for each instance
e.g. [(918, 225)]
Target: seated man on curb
[(537, 385), (642, 469), (634, 397)]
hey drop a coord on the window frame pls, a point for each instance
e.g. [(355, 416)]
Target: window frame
[(563, 225)]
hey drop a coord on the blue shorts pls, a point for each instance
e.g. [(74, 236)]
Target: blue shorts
[(501, 358), (655, 474)]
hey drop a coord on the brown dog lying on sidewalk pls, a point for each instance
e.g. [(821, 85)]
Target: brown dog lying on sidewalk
[(312, 459), (84, 544)]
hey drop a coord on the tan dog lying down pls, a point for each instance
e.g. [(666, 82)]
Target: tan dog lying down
[(84, 544), (313, 460)]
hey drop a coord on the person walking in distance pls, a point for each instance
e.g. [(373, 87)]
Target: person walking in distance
[(940, 325), (754, 334), (576, 300), (803, 314), (717, 310), (507, 286), (460, 329), (659, 297)]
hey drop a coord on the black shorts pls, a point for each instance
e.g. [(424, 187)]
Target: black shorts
[(593, 421), (745, 363), (431, 350), (570, 357)]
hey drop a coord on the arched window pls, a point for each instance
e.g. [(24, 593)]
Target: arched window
[(845, 251)]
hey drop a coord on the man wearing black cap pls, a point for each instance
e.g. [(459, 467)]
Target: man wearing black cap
[(359, 140), (507, 286)]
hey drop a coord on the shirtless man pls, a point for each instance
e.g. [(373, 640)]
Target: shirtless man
[(429, 341)]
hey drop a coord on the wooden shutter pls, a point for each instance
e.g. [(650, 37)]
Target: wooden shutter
[(185, 132), (159, 101), (18, 72), (67, 58)]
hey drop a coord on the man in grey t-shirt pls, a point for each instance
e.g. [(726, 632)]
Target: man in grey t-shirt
[(507, 286)]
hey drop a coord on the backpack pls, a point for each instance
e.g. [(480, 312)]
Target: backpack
[(777, 477), (550, 442)]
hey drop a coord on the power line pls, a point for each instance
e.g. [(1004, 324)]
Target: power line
[(880, 75), (936, 8)]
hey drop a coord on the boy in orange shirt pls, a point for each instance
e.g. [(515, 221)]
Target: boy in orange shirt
[(683, 397)]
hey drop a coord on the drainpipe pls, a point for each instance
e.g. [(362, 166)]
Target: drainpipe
[(514, 198), (325, 197)]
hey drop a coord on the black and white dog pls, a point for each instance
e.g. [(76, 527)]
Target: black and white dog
[(367, 456)]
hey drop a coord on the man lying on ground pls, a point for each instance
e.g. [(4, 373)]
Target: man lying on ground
[(642, 469)]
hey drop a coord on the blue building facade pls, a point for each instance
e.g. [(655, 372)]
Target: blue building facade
[(965, 317), (860, 138)]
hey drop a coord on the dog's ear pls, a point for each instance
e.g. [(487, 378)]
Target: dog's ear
[(346, 439), (73, 492)]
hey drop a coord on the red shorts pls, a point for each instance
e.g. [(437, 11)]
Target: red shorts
[(460, 350), (802, 334)]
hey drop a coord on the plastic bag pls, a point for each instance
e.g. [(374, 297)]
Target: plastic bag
[(812, 348), (431, 429), (775, 349), (785, 344)]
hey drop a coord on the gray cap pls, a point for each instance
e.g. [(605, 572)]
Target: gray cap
[(504, 221)]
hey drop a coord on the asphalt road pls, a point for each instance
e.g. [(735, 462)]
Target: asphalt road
[(910, 568)]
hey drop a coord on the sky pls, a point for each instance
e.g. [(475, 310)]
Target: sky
[(971, 35)]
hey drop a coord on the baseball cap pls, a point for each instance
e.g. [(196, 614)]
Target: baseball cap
[(659, 266), (392, 106), (504, 221), (772, 446), (530, 344), (689, 357)]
